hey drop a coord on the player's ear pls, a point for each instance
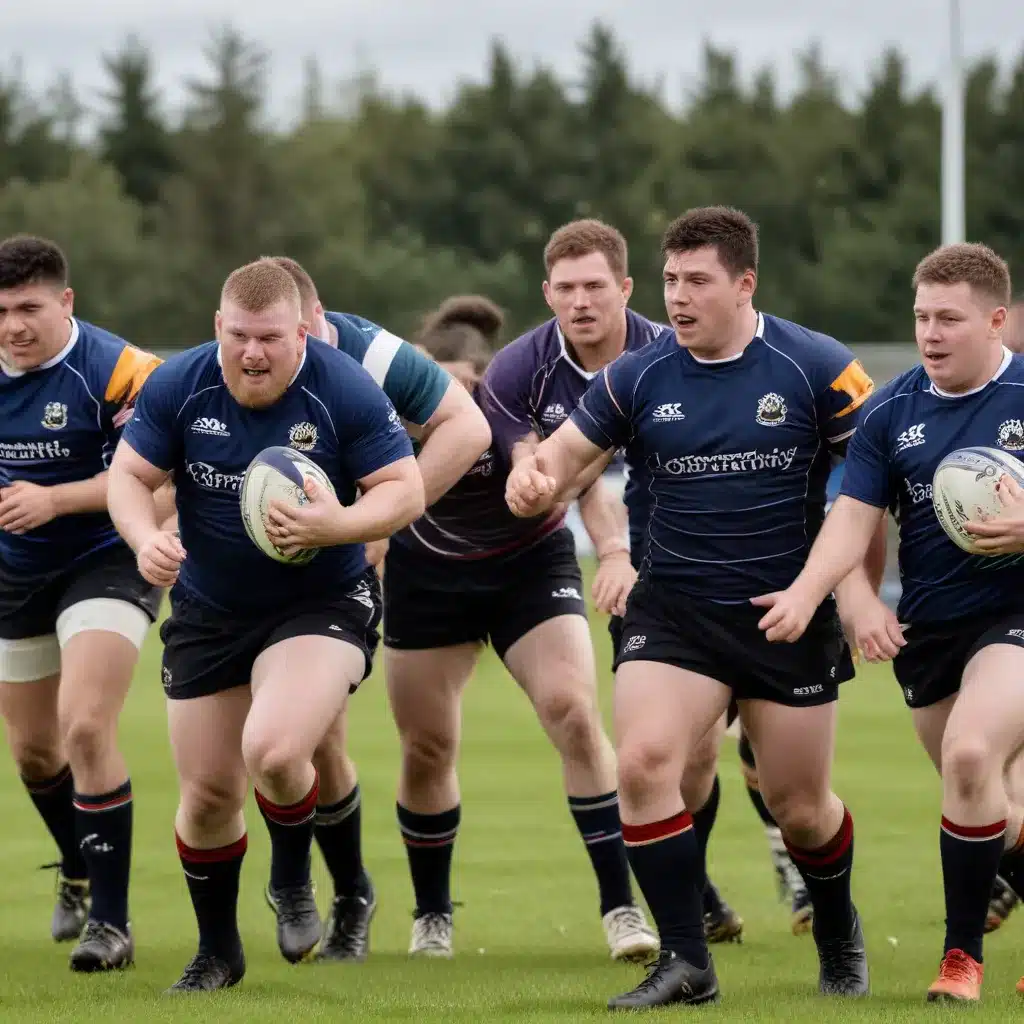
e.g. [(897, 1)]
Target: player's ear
[(318, 309), (67, 300), (998, 319), (748, 285), (627, 288), (218, 324), (546, 288)]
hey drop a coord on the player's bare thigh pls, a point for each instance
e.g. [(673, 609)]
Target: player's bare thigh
[(206, 743), (793, 748), (29, 710), (930, 725), (702, 766), (662, 714)]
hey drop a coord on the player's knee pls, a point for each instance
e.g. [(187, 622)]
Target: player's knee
[(87, 739), (426, 753), (272, 760), (967, 763), (643, 768), (799, 813), (208, 805), (570, 717), (36, 757)]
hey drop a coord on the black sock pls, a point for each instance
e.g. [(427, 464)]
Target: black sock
[(826, 873), (429, 842), (597, 818), (54, 800), (212, 877), (338, 833), (104, 827), (703, 823), (970, 860), (291, 837), (665, 860)]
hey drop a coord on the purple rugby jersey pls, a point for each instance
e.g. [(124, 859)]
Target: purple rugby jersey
[(532, 384)]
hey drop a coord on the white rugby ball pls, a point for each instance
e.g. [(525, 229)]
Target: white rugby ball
[(277, 474), (964, 488)]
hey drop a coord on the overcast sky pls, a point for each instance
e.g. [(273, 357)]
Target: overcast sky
[(427, 45)]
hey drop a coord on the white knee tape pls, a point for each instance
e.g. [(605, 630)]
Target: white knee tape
[(30, 659), (106, 614)]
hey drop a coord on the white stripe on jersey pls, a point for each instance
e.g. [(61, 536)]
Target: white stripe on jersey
[(380, 354)]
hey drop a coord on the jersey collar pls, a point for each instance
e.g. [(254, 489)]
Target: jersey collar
[(10, 371), (1003, 364)]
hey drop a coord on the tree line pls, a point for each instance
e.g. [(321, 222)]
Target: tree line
[(392, 204)]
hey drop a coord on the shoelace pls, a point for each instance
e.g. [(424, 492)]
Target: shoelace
[(654, 969), (956, 966), (434, 927), (295, 904), (197, 967)]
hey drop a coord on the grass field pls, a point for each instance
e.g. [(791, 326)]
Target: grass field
[(529, 943)]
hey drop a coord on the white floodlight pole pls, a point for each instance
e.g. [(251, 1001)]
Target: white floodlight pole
[(953, 220)]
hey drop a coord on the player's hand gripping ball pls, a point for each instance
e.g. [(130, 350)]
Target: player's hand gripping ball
[(279, 475)]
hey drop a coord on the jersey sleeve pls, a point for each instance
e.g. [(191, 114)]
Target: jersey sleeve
[(604, 415), (867, 471), (370, 434), (842, 389), (413, 381), (505, 396), (152, 429), (131, 370)]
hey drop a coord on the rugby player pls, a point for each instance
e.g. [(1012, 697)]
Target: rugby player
[(259, 656), (452, 433), (957, 646), (74, 610), (469, 572), (734, 418)]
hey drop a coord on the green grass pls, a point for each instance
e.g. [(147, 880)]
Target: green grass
[(529, 942)]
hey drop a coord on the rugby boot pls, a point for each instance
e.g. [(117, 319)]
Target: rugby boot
[(299, 928), (721, 922), (844, 962), (803, 912), (1004, 900), (72, 907), (103, 947), (432, 936), (959, 979), (669, 980), (206, 973), (347, 936), (629, 935)]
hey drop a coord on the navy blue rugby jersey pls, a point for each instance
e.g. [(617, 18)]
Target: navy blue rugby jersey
[(532, 384), (907, 428), (60, 423), (737, 452), (414, 382), (186, 422)]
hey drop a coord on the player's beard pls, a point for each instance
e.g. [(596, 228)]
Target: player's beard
[(257, 392)]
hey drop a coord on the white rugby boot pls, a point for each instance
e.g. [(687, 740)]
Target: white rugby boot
[(629, 935)]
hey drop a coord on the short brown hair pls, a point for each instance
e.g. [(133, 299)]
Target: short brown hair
[(307, 288), (730, 232), (260, 284), (25, 259), (462, 328), (583, 237), (971, 262)]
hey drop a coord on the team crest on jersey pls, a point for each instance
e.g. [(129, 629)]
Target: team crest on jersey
[(55, 416), (303, 436), (771, 410), (1011, 435)]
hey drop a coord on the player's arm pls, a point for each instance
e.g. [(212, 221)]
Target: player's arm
[(597, 427), (141, 467), (25, 506), (606, 522), (505, 399)]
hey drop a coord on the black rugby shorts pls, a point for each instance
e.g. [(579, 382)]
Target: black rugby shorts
[(931, 665), (724, 643), (434, 602), (207, 651)]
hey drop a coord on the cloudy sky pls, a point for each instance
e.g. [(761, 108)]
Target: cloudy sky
[(428, 45)]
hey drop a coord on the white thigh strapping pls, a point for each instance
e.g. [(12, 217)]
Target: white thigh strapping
[(106, 614), (30, 659)]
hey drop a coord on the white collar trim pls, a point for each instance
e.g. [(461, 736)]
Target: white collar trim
[(758, 333)]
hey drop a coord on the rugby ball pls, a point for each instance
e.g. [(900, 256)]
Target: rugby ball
[(277, 474), (964, 488)]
